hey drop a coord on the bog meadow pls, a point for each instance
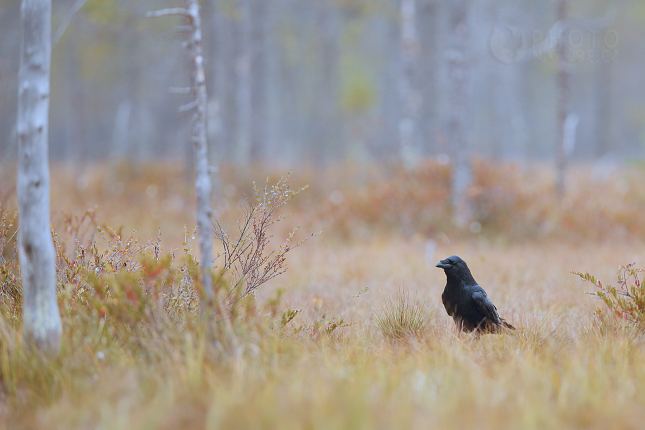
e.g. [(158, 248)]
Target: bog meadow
[(353, 334), (331, 153)]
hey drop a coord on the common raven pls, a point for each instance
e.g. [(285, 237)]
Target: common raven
[(466, 302)]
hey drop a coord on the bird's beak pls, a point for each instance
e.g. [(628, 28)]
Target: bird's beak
[(442, 265)]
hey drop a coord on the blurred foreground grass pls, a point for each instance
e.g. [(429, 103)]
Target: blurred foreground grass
[(140, 363)]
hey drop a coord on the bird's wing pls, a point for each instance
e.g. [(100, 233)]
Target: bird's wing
[(486, 306)]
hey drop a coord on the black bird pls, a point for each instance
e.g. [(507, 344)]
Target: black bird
[(466, 302)]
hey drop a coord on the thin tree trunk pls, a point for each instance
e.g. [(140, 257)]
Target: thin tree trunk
[(41, 317), (257, 53), (203, 184), (391, 110), (244, 87), (409, 92), (603, 104), (459, 140), (274, 65), (199, 106), (328, 28), (78, 150), (564, 97), (426, 26), (212, 18), (229, 34)]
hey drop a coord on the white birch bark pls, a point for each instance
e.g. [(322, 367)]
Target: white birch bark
[(203, 184), (199, 106), (41, 317)]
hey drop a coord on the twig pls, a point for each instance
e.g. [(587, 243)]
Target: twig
[(180, 90), (7, 242), (347, 302), (169, 11), (188, 106), (66, 22)]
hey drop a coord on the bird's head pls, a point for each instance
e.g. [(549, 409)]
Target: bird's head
[(454, 265)]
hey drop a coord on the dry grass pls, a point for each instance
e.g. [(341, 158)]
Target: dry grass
[(562, 368), (402, 317)]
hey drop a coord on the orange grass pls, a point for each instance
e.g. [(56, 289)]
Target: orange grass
[(562, 368)]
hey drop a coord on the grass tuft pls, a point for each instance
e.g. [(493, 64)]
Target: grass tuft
[(403, 317)]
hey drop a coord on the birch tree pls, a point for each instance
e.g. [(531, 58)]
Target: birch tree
[(243, 85), (409, 91), (41, 317), (427, 23), (199, 105), (458, 69), (564, 98), (258, 70)]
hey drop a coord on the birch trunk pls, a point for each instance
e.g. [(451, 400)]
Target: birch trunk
[(564, 95), (258, 71), (41, 317), (459, 141), (199, 106), (243, 88), (409, 92), (603, 112), (203, 184), (427, 21), (228, 34)]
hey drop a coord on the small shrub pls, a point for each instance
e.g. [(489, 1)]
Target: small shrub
[(247, 259), (627, 300), (402, 317)]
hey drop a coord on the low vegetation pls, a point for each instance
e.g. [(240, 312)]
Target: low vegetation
[(402, 317), (627, 300), (313, 348)]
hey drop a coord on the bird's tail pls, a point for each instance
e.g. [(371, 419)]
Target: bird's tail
[(507, 325)]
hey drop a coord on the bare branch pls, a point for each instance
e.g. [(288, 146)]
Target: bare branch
[(9, 240), (180, 90), (188, 106), (68, 19), (169, 11)]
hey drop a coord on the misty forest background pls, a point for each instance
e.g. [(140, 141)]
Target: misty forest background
[(329, 80)]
